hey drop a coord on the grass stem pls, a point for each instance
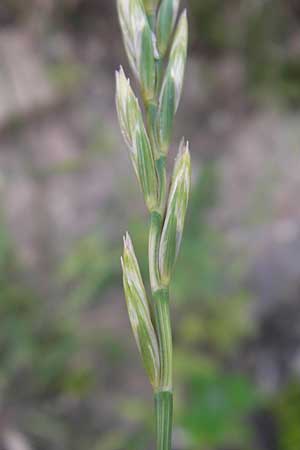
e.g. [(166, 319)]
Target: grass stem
[(163, 416), (163, 328)]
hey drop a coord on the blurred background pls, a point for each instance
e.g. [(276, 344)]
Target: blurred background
[(70, 374)]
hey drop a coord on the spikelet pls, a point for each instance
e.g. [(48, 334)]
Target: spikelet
[(136, 138), (172, 84), (139, 43), (176, 211), (139, 312)]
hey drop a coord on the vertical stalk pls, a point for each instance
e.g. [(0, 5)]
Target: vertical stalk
[(163, 328), (164, 396), (163, 416)]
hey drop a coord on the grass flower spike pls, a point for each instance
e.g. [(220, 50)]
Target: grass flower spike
[(157, 55)]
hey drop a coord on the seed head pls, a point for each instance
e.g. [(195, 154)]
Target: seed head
[(139, 312), (172, 84), (166, 20), (176, 211)]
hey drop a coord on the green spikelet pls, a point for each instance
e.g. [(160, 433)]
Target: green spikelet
[(176, 211), (139, 312), (172, 84)]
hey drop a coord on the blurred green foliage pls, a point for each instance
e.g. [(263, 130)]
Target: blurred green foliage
[(213, 321), (216, 410), (286, 409), (39, 347), (263, 34), (90, 268), (209, 20)]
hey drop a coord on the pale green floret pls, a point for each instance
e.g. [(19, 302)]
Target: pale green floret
[(127, 31), (123, 92), (139, 43), (166, 114), (131, 265), (147, 65), (136, 138), (166, 20), (139, 313), (128, 113), (146, 168), (178, 56), (175, 216), (172, 84)]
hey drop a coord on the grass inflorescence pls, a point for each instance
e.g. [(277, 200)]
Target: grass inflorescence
[(155, 40)]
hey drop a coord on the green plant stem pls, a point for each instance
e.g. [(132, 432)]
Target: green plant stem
[(153, 250), (163, 416), (161, 309), (164, 396)]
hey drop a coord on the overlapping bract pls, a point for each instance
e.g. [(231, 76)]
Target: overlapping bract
[(172, 83), (166, 20), (139, 43), (136, 138), (176, 212), (139, 312)]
